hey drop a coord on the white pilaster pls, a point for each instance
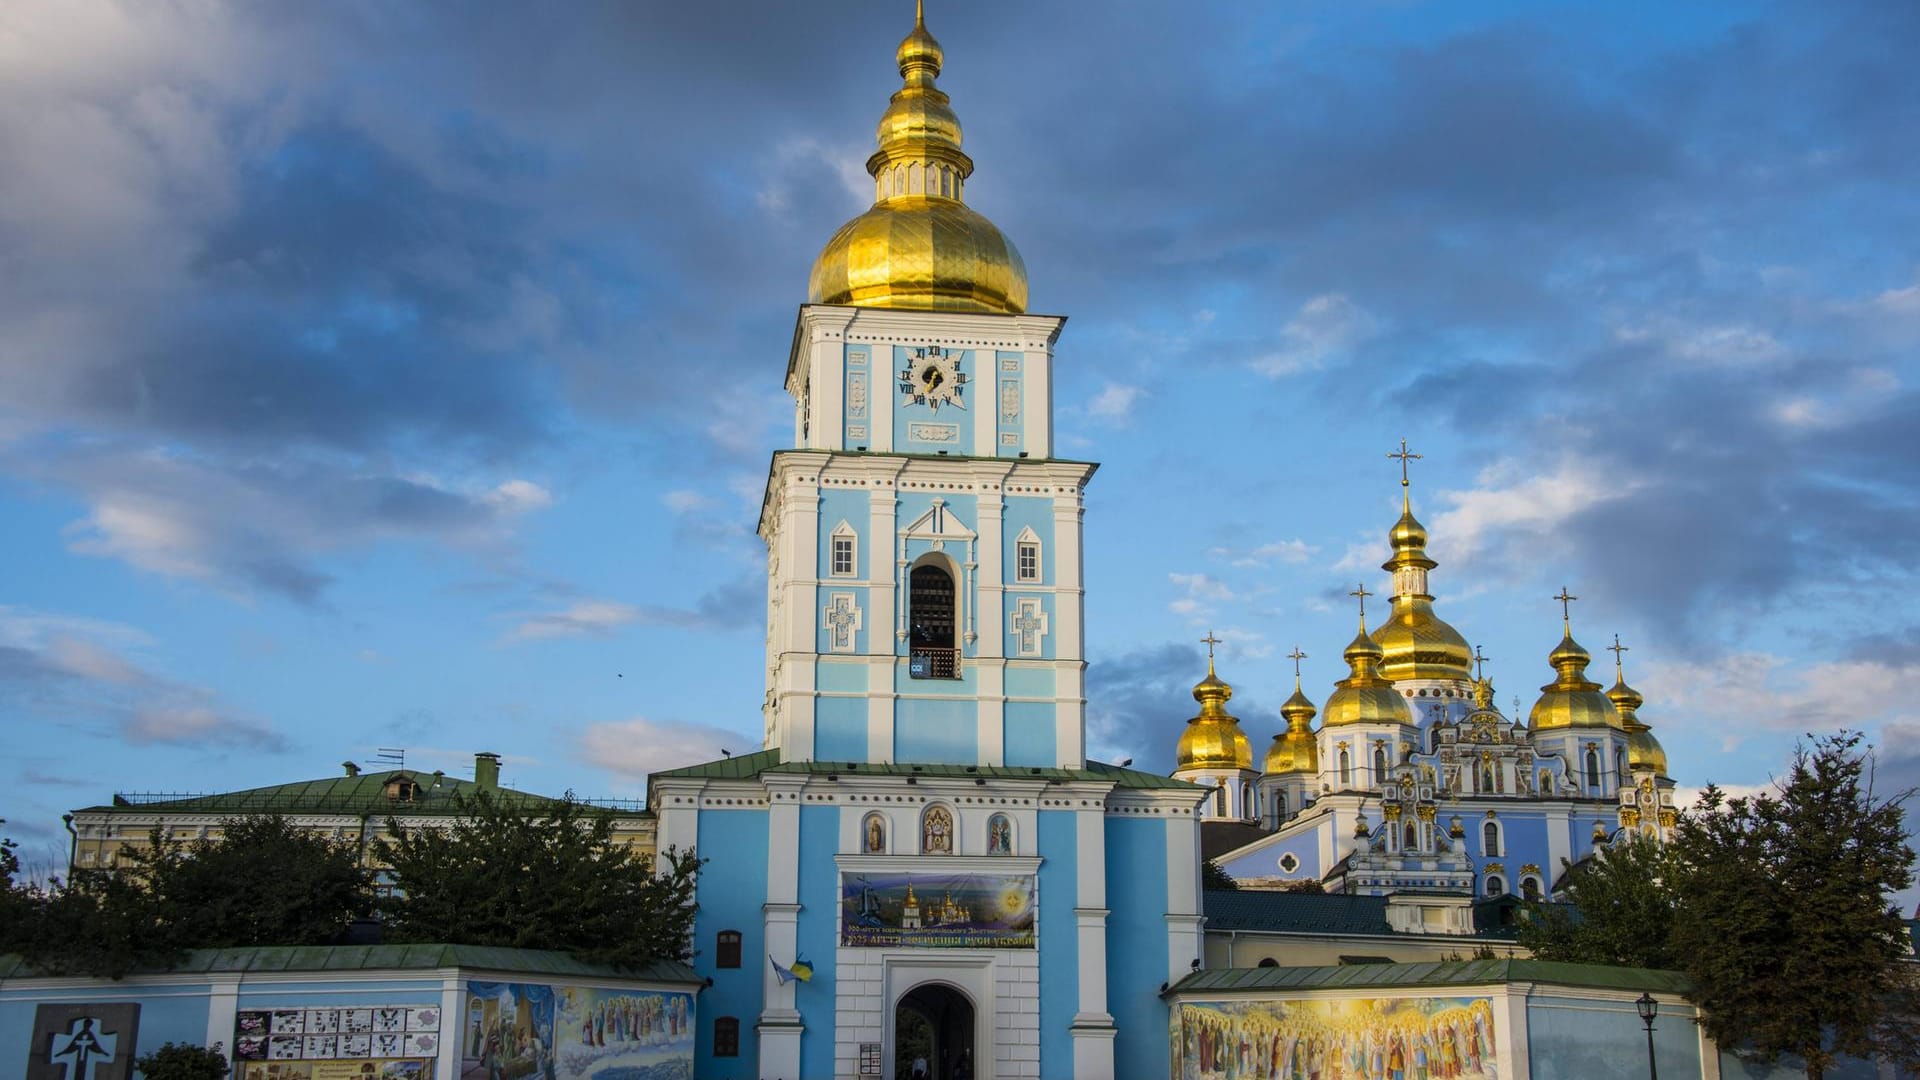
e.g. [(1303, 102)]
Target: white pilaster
[(223, 1012), (1183, 893), (780, 1026)]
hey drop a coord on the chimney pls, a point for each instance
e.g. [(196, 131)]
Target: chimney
[(352, 769), (486, 770)]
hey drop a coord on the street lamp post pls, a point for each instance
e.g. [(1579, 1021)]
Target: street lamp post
[(1649, 1008)]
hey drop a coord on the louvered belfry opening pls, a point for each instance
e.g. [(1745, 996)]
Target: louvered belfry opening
[(930, 611)]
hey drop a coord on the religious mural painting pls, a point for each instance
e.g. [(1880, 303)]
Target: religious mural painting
[(951, 911), (83, 1042), (936, 831), (1389, 1038), (874, 835), (387, 1042), (515, 1030), (999, 835)]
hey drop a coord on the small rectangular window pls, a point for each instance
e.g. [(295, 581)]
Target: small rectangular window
[(726, 1037), (1028, 562), (843, 556), (726, 949)]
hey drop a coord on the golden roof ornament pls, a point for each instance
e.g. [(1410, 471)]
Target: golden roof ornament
[(1644, 752), (1295, 750), (1417, 643), (919, 247), (1571, 700), (1213, 738), (1365, 696)]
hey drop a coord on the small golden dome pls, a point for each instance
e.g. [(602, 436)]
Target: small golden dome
[(919, 247), (1644, 751), (1213, 739), (1295, 750), (1572, 700), (1365, 696), (1408, 533), (1625, 698)]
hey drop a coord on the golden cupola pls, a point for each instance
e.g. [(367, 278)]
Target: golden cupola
[(1295, 750), (1572, 700), (919, 247), (1417, 644), (1213, 739), (1644, 752), (1365, 696)]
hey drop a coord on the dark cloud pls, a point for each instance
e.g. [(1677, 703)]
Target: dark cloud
[(1138, 702)]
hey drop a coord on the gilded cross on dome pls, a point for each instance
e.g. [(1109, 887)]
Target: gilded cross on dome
[(1618, 650), (1405, 455), (1567, 600), (1296, 656), (1362, 593), (1480, 663), (1209, 641)]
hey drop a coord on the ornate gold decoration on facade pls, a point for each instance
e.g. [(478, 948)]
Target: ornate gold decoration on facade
[(1644, 752), (920, 247)]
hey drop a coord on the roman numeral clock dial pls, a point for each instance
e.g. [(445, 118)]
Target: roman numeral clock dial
[(933, 378)]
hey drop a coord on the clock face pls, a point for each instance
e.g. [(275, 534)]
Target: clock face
[(933, 378)]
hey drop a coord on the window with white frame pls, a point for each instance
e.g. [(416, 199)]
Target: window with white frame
[(1026, 556), (842, 563)]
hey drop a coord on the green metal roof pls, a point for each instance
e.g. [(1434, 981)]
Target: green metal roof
[(342, 958), (1448, 973), (362, 794), (746, 766)]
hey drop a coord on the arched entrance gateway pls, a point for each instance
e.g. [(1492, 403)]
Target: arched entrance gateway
[(933, 1023)]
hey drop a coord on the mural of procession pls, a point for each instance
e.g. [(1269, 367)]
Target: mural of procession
[(1363, 1039), (538, 1032)]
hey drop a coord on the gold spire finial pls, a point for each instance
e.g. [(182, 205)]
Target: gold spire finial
[(1406, 456), (1617, 649), (1296, 656), (1566, 608), (1210, 641), (1480, 663), (1362, 593), (919, 12)]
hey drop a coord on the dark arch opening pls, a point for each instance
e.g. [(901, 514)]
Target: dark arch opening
[(930, 609), (933, 1028)]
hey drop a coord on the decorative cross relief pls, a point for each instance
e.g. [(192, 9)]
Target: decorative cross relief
[(842, 622), (1028, 624)]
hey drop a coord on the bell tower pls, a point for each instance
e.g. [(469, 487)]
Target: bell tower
[(924, 589)]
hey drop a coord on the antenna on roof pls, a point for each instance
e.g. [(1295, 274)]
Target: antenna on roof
[(391, 755)]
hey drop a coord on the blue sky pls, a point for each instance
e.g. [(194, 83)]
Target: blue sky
[(404, 375)]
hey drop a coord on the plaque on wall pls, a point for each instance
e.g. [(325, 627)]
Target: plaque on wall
[(83, 1042)]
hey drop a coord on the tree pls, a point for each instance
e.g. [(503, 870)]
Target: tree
[(551, 877), (182, 1061), (98, 923), (1619, 910), (263, 881), (16, 901), (1783, 923)]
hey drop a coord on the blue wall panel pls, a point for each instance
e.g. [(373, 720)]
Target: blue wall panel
[(1574, 1039), (731, 889), (942, 732), (1029, 680), (1028, 512), (841, 677), (1137, 942), (1059, 940), (818, 934), (1030, 734), (850, 506), (840, 728)]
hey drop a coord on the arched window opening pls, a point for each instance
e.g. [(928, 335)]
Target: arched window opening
[(1593, 769), (1280, 805), (726, 949), (1486, 777), (899, 181), (1220, 801), (1490, 839), (1619, 762), (1412, 837), (1346, 769), (1546, 782), (1529, 888), (931, 605), (1379, 764), (946, 182), (1495, 886), (1268, 961), (874, 835)]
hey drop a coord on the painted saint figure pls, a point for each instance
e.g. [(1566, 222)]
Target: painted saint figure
[(999, 835)]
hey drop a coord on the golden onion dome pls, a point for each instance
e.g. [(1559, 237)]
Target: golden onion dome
[(1572, 700), (1365, 696), (1418, 643), (1213, 739), (1643, 750), (919, 247), (1295, 750)]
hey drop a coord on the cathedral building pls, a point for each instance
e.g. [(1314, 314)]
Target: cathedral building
[(922, 863), (1415, 781)]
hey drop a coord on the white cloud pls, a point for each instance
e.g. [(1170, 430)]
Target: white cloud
[(640, 746), (1717, 346), (685, 502), (1324, 327), (1750, 692), (1115, 402), (1282, 551), (1201, 592), (597, 618), (1511, 504)]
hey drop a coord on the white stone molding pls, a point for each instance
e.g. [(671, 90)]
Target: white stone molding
[(841, 619), (1027, 626)]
